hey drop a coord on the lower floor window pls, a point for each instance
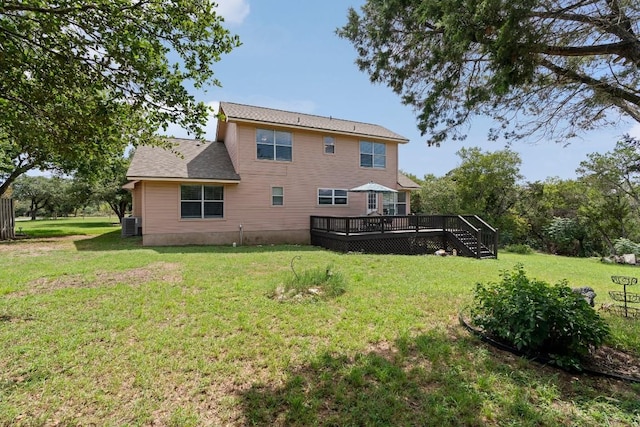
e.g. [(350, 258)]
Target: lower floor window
[(277, 196), (401, 206), (332, 196), (201, 201), (394, 203)]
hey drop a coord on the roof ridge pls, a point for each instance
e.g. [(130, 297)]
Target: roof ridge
[(304, 114)]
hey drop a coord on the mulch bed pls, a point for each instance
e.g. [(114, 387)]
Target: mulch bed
[(604, 361)]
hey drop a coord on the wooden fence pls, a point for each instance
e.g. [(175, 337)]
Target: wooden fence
[(7, 219)]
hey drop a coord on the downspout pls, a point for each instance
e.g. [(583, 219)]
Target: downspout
[(241, 234)]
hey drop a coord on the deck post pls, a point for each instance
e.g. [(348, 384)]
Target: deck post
[(347, 226), (479, 244)]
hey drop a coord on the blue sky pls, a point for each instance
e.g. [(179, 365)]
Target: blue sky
[(291, 59)]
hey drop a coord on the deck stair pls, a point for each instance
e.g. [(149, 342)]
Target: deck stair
[(468, 244)]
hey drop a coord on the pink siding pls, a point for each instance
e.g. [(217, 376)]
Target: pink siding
[(136, 195), (249, 202), (231, 142)]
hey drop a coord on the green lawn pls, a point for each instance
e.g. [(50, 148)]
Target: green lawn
[(98, 329)]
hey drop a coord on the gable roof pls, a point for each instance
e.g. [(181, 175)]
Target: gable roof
[(406, 183), (251, 114), (187, 159)]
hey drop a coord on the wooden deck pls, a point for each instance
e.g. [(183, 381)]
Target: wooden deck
[(410, 235)]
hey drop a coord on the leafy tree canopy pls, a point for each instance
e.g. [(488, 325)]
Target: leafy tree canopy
[(545, 67), (79, 81), (486, 181), (616, 172)]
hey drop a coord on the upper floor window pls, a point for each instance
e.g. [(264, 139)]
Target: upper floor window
[(329, 145), (332, 196), (274, 145), (201, 201), (373, 155)]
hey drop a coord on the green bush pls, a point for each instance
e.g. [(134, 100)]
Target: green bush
[(538, 318), (519, 248), (625, 246)]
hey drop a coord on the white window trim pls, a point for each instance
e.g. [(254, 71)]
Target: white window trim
[(372, 202), (333, 197), (373, 166), (202, 202), (275, 145), (325, 145), (273, 205)]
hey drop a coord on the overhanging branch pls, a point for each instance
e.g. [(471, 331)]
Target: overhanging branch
[(595, 84)]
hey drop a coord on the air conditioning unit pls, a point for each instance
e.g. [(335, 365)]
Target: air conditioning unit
[(131, 226)]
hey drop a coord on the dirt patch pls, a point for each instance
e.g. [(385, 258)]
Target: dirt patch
[(39, 246), (159, 271), (611, 361)]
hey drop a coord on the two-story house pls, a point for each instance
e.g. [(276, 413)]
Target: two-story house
[(263, 178)]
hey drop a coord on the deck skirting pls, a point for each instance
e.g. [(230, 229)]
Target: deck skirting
[(398, 242)]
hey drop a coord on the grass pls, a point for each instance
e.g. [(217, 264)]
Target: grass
[(67, 227), (98, 329)]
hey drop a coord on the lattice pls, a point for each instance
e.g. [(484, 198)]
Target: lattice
[(387, 243)]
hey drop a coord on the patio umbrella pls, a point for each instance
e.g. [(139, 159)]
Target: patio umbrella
[(372, 188)]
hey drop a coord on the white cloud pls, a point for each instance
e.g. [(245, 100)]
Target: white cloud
[(233, 11)]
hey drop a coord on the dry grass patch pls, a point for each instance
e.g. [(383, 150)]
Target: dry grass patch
[(160, 271), (39, 246)]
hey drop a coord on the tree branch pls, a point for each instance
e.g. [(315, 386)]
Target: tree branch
[(19, 170), (596, 85), (620, 49)]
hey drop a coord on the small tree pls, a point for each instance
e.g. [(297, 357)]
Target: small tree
[(106, 184), (34, 190)]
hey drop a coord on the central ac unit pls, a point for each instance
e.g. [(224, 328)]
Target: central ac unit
[(129, 226)]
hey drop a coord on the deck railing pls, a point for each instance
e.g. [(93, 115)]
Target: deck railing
[(485, 236), (378, 224)]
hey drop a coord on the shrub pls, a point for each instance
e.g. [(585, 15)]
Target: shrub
[(625, 246), (565, 236), (519, 248), (538, 318)]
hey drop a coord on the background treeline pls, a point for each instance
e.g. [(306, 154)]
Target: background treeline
[(97, 192), (595, 214)]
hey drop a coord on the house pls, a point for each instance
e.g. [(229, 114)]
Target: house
[(263, 178)]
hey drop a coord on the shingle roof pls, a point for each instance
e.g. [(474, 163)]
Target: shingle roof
[(406, 182), (250, 113), (187, 159)]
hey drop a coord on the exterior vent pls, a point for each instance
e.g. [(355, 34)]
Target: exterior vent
[(130, 226)]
